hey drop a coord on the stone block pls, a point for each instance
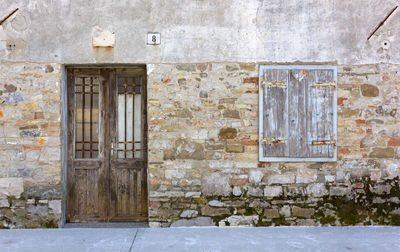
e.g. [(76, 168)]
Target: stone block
[(368, 90), (227, 133), (251, 99), (4, 203), (233, 148), (316, 190), (302, 212), (247, 66), (186, 67), (339, 191), (281, 179), (236, 191), (214, 211), (189, 213), (382, 153), (253, 80), (227, 101), (238, 220), (231, 114), (174, 174), (347, 112), (254, 191), (55, 206), (273, 191), (394, 141), (184, 113), (381, 189), (215, 203), (153, 224), (271, 213), (197, 222), (38, 209), (306, 175), (11, 187), (216, 184), (285, 211), (44, 192), (186, 149), (255, 176), (370, 141)]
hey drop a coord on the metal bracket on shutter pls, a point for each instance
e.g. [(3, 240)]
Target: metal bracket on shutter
[(324, 142), (274, 83), (324, 84), (273, 140)]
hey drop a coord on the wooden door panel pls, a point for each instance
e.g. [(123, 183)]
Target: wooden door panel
[(129, 156), (129, 191), (107, 145), (87, 165)]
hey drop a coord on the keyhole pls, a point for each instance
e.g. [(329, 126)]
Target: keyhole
[(153, 38)]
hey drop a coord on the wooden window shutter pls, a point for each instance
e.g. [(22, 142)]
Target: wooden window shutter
[(274, 128), (322, 114), (297, 113)]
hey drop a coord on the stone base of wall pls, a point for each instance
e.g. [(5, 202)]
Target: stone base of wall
[(34, 209), (364, 202)]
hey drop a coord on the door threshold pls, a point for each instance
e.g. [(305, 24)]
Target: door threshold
[(108, 225)]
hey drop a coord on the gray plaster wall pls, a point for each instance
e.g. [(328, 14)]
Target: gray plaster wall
[(201, 31)]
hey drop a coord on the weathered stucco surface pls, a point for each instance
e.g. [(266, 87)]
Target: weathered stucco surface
[(202, 31)]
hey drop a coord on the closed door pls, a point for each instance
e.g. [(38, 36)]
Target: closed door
[(107, 145)]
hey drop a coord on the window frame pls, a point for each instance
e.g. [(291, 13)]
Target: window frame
[(261, 69)]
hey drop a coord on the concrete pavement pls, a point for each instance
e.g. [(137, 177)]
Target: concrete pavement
[(203, 239)]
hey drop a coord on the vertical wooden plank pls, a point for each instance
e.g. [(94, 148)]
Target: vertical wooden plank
[(112, 180), (133, 198), (311, 111), (315, 116), (297, 107), (71, 150), (104, 144), (293, 112)]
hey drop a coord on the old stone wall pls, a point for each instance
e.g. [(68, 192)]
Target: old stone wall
[(203, 152), (30, 146)]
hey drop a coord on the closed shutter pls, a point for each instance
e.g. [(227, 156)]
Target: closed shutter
[(297, 113)]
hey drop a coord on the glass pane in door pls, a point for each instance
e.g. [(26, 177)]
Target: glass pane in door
[(86, 117), (129, 118)]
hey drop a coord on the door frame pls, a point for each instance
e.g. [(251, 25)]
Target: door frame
[(65, 123)]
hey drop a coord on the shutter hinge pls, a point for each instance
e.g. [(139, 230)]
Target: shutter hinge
[(324, 142), (324, 84), (273, 140), (274, 83)]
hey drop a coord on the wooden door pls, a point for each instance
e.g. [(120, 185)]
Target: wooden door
[(107, 145)]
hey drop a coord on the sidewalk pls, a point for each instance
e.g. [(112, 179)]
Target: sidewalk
[(203, 239)]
